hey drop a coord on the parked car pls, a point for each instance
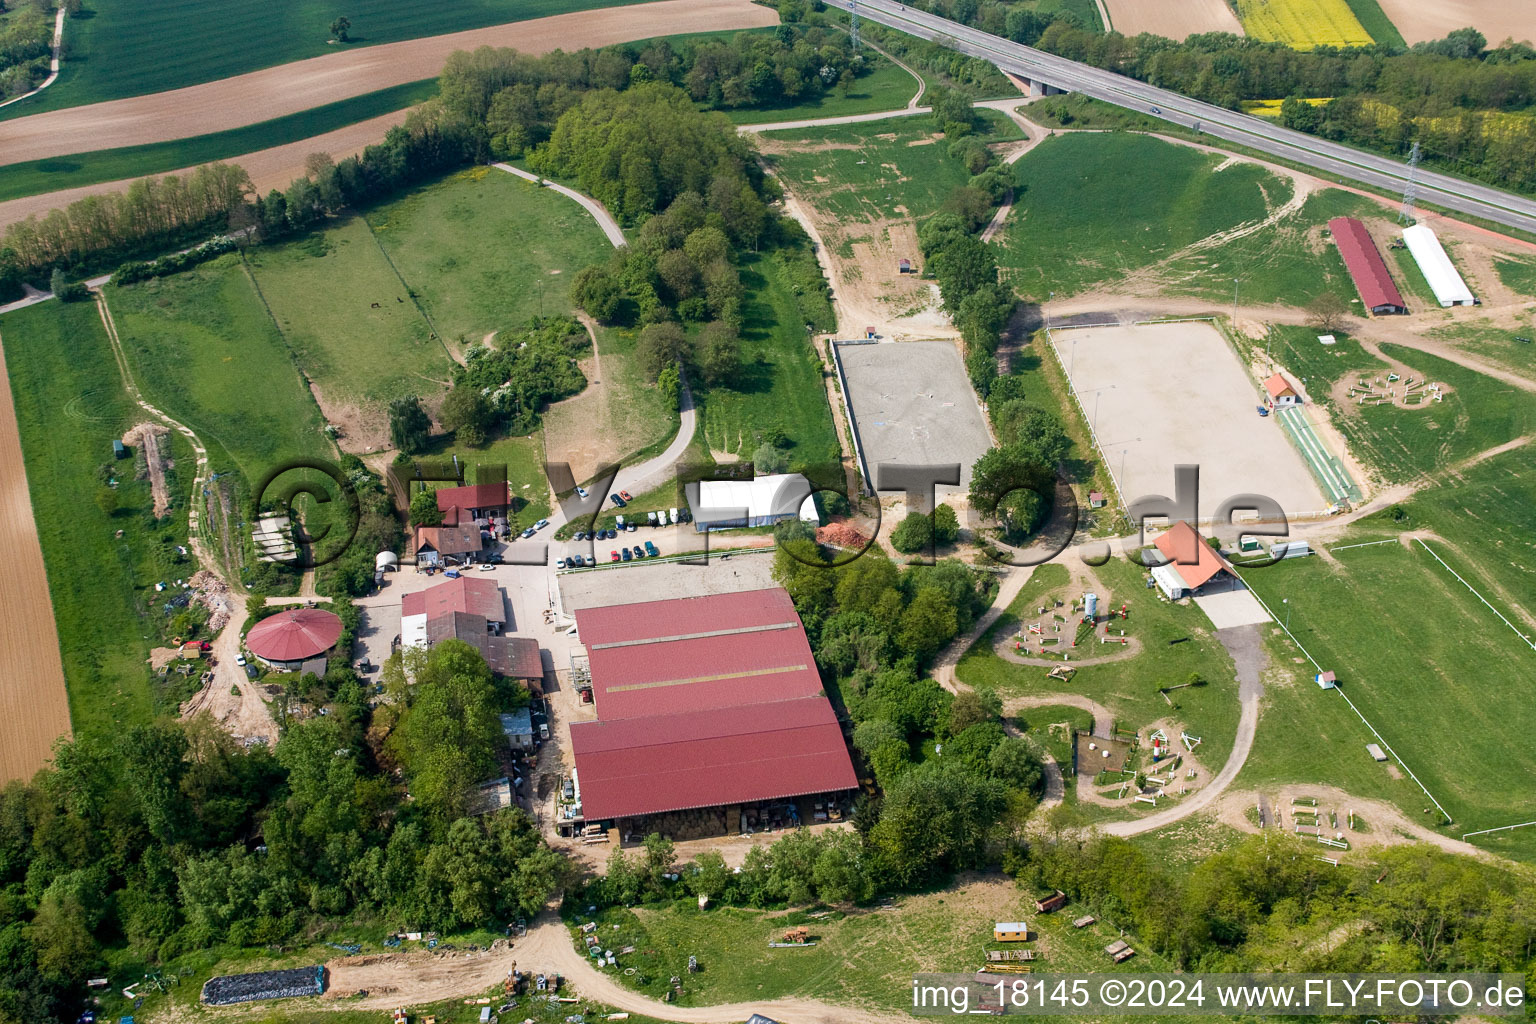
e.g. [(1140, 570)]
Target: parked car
[(487, 567), (639, 551), (581, 491), (613, 556), (650, 549), (452, 574), (240, 660), (650, 517), (624, 554), (1263, 410), (626, 496), (580, 535), (672, 516), (541, 524), (559, 563), (629, 527), (528, 533), (620, 502)]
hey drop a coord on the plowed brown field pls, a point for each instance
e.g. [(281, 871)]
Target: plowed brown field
[(1175, 19), (1419, 20), (34, 708), (290, 88)]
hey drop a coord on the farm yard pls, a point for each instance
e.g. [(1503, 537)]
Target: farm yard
[(1428, 664), (1303, 24)]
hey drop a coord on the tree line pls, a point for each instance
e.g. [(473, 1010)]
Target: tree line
[(26, 44)]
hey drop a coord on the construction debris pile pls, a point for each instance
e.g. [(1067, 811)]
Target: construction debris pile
[(212, 593), (244, 988), (841, 535)]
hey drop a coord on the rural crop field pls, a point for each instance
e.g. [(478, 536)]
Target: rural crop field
[(1419, 20), (129, 49), (1095, 207), (1303, 24), (1443, 680), (911, 402), (1175, 19), (1160, 395), (34, 706)]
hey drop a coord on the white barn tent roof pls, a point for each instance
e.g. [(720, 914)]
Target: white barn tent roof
[(1441, 274), (756, 502)]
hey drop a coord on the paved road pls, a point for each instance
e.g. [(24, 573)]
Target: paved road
[(1256, 133)]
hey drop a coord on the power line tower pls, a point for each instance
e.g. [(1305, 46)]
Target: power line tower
[(853, 22), (1405, 215)]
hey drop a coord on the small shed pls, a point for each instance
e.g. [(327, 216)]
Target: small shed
[(904, 266), (386, 561), (1096, 499), (869, 334), (1280, 391), (1290, 549), (1376, 752), (1010, 931), (1119, 951), (1049, 904), (1326, 680), (119, 450), (518, 728)]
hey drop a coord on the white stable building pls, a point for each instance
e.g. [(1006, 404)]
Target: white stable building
[(761, 501), (1439, 271)]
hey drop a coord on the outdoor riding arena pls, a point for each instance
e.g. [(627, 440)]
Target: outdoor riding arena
[(1161, 394), (911, 403)]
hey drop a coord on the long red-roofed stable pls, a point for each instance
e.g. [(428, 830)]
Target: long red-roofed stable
[(704, 701), (293, 636), (1369, 270)]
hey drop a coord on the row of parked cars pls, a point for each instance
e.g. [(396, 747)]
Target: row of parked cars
[(637, 553)]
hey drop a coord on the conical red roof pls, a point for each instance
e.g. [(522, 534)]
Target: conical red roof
[(294, 635)]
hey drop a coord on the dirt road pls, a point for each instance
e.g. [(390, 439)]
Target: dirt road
[(301, 85), (34, 704), (598, 211)]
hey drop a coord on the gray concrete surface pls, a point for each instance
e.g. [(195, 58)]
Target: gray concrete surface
[(633, 582)]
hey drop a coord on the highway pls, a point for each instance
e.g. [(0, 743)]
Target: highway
[(1379, 172)]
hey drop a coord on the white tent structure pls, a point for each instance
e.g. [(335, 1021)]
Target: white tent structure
[(761, 501), (1441, 274)]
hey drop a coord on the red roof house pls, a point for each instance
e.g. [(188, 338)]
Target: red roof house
[(1280, 390), (466, 594), (1366, 266), (481, 500), (704, 701), (294, 636), (1190, 556)]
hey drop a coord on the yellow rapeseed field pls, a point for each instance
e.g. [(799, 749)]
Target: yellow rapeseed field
[(1303, 24), (1271, 108)]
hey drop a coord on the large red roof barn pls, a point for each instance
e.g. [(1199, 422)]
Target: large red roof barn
[(702, 702), (1366, 266), (288, 639)]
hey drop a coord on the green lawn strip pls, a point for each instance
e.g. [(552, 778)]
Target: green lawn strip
[(1081, 214), (203, 349), (119, 48), (1518, 274), (1375, 21), (1433, 670), (855, 961), (1415, 284), (486, 251), (39, 176), (354, 328), (780, 384), (1129, 687), (70, 405)]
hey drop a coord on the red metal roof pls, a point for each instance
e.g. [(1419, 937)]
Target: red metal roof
[(294, 635), (660, 657), (1193, 559), (1365, 264), (467, 594), (704, 701), (473, 496), (1278, 386), (707, 758)]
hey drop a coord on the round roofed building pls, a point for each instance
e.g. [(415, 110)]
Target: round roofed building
[(285, 641)]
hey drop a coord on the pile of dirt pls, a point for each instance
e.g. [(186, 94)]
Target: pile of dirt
[(213, 593), (841, 535)]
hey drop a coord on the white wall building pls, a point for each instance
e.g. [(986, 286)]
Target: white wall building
[(762, 501), (1438, 270)]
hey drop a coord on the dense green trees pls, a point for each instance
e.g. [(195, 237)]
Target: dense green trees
[(505, 388), (26, 36)]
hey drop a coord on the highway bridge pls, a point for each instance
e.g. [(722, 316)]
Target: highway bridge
[(1049, 72)]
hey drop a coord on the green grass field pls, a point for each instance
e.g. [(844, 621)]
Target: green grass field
[(203, 349), (1093, 207), (349, 320), (1289, 262), (1496, 344), (1415, 286), (1375, 21), (70, 404), (1517, 274), (1437, 674), (117, 48), (887, 87), (780, 383), (1128, 687), (486, 251)]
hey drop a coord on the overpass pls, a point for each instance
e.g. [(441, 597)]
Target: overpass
[(1048, 72)]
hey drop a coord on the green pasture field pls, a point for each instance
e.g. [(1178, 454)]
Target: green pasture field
[(1375, 21), (1415, 286), (861, 959), (1127, 687), (485, 250), (70, 405), (203, 349), (887, 87), (1091, 208), (870, 169), (780, 383), (117, 48), (1483, 339), (1290, 262), (36, 177), (348, 318), (1517, 274), (1438, 675)]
